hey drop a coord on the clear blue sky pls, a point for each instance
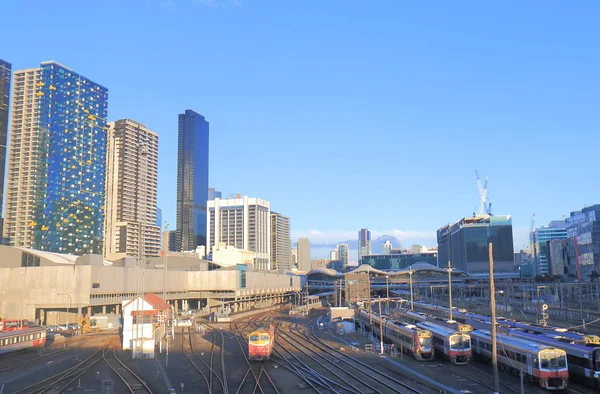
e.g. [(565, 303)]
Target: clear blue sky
[(349, 114)]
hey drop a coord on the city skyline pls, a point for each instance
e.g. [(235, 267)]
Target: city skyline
[(414, 86)]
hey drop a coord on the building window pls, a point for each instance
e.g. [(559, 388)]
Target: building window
[(29, 260), (242, 279)]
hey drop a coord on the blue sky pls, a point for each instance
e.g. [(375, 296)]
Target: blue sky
[(349, 114)]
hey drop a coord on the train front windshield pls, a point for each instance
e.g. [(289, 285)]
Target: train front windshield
[(460, 342), (425, 342), (254, 337), (264, 337), (553, 361)]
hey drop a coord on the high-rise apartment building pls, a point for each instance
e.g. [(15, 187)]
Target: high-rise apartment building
[(243, 223), (281, 242), (466, 245), (56, 161), (333, 255), (192, 181), (364, 243), (5, 73), (343, 254), (130, 227), (584, 226), (541, 237), (304, 263)]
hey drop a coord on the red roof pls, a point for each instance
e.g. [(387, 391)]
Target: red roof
[(154, 300)]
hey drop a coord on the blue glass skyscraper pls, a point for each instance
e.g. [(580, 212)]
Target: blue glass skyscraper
[(72, 125), (192, 181)]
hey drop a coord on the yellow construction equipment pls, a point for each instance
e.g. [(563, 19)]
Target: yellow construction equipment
[(88, 325)]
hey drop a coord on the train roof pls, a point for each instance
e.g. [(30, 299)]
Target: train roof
[(22, 331), (571, 348), (508, 341), (438, 329)]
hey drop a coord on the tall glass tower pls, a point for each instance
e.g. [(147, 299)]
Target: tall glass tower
[(192, 181), (55, 196)]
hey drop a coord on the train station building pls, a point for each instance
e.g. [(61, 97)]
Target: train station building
[(34, 283)]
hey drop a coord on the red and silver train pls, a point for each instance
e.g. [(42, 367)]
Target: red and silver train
[(15, 336), (545, 365), (260, 343), (406, 337), (454, 345)]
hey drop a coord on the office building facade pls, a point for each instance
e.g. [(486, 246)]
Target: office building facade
[(364, 243), (57, 159), (192, 181), (584, 226), (465, 245), (243, 223), (294, 258), (130, 221), (397, 261), (343, 253), (5, 77), (281, 242), (541, 237), (304, 263)]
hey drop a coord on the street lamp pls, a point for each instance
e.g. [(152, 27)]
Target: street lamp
[(450, 269), (70, 302), (387, 291), (410, 272)]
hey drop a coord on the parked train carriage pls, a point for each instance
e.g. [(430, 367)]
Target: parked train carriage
[(25, 338), (569, 336), (583, 360), (545, 365), (406, 337), (260, 343), (418, 317), (454, 345)]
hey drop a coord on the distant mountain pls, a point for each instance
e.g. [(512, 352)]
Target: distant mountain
[(376, 244)]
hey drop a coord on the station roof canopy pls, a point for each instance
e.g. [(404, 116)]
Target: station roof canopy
[(324, 271), (417, 268), (56, 258)]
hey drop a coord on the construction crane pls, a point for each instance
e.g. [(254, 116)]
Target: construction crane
[(484, 207)]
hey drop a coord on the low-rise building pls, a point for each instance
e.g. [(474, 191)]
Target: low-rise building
[(144, 321), (227, 255)]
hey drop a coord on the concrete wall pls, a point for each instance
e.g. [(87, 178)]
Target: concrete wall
[(24, 289)]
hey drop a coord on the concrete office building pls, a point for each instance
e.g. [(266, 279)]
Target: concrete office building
[(5, 74), (333, 255), (192, 181), (364, 243), (541, 237), (465, 245), (243, 223), (168, 241), (304, 263), (386, 248), (281, 242), (56, 162), (130, 221), (583, 225)]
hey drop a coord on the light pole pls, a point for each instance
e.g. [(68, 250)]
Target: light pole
[(70, 302), (450, 269), (493, 323), (410, 272), (380, 327), (387, 291)]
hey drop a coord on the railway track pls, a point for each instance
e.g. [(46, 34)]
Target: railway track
[(62, 380), (363, 376), (133, 382), (208, 380)]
